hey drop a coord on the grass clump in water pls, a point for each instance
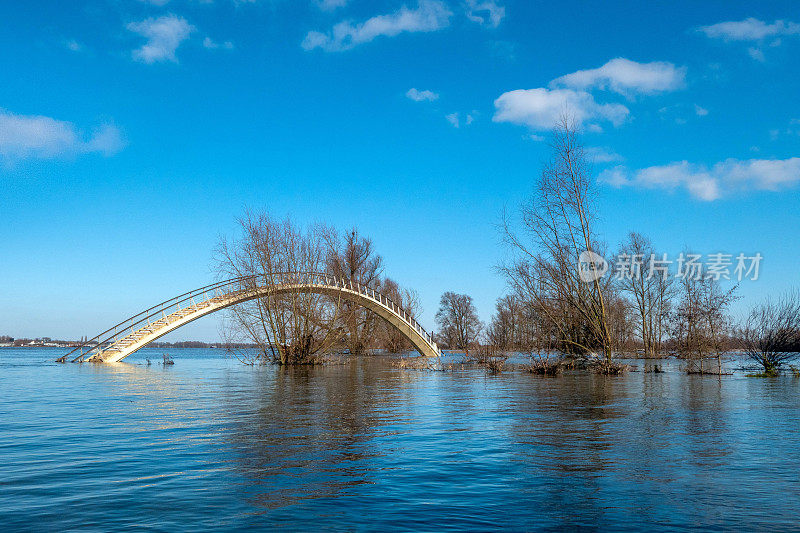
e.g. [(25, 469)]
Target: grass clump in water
[(608, 367), (545, 366)]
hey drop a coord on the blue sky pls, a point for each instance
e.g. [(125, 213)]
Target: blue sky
[(133, 133)]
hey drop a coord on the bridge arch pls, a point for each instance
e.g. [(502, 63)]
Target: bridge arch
[(138, 331)]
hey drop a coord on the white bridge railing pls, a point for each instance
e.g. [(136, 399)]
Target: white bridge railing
[(227, 290)]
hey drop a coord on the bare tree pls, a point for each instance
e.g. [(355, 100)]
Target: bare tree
[(620, 323), (548, 319), (650, 288), (458, 321), (559, 221), (506, 328), (354, 259), (489, 354), (701, 324), (290, 326), (388, 336), (771, 332)]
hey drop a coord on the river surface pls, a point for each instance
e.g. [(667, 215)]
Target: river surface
[(209, 443)]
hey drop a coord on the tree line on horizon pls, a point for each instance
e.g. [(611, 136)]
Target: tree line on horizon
[(550, 309)]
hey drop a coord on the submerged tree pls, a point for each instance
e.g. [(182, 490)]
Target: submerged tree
[(289, 327), (620, 322), (354, 259), (771, 333), (559, 223), (508, 324), (650, 288), (701, 324), (387, 336), (458, 321)]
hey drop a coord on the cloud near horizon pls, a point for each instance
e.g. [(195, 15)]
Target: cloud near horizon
[(164, 35), (429, 15), (39, 137), (708, 184)]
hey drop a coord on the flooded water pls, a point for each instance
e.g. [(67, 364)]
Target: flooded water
[(209, 443)]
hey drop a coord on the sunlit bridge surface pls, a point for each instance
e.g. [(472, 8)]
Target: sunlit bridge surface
[(212, 443)]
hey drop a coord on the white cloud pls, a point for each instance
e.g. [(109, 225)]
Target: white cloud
[(211, 44), (330, 5), (38, 137), (681, 113), (541, 108), (164, 35), (703, 183), (626, 77), (486, 12), (602, 155), (429, 15), (421, 96), (455, 119), (73, 45), (107, 140), (452, 118), (698, 181), (791, 130), (750, 29), (756, 53)]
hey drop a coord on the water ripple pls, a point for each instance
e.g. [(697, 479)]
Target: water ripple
[(212, 444)]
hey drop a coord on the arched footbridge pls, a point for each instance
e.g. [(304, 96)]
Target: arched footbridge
[(138, 331)]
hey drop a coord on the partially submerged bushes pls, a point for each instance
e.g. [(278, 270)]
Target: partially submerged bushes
[(608, 367), (771, 334), (495, 366), (418, 363), (426, 363), (491, 357), (546, 366), (554, 366), (496, 361)]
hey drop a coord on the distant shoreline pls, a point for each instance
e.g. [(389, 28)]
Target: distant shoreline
[(182, 344)]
